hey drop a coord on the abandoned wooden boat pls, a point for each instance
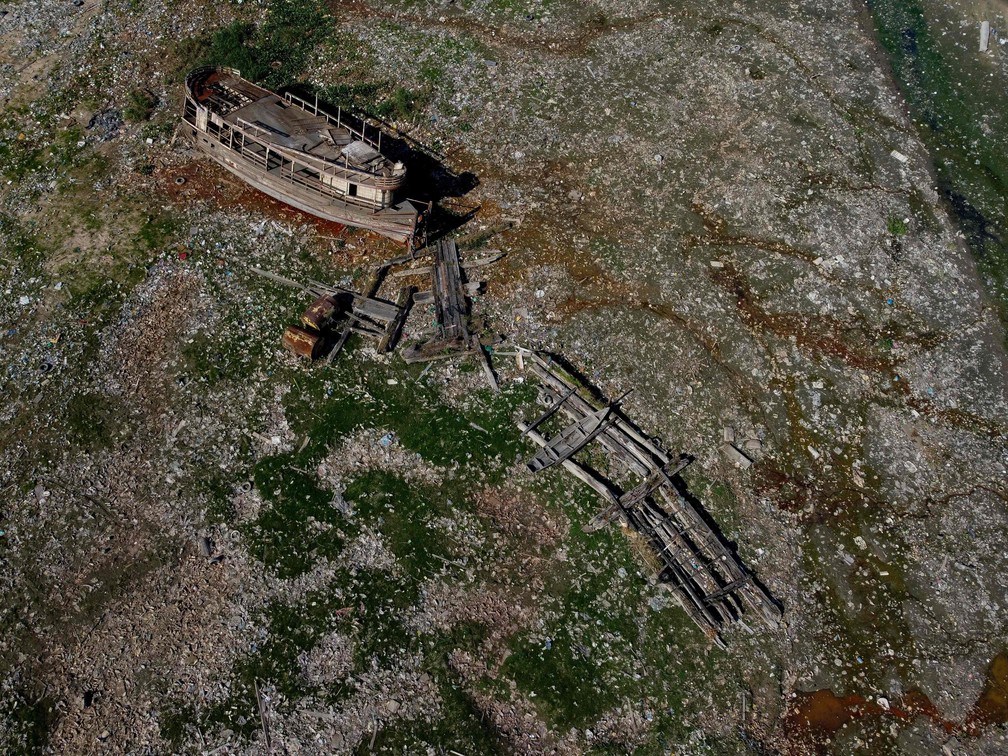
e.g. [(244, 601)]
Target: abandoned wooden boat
[(297, 153), (571, 439)]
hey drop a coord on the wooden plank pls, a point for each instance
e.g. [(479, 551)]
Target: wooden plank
[(482, 261), (570, 440), (585, 476), (714, 586), (388, 340), (376, 309), (646, 487), (340, 342), (449, 298), (278, 278), (620, 439), (425, 270), (484, 360), (551, 410), (635, 496)]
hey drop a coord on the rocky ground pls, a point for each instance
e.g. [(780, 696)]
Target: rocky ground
[(206, 546)]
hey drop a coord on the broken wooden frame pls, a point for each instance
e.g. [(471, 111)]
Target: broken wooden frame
[(713, 586), (449, 295), (367, 315)]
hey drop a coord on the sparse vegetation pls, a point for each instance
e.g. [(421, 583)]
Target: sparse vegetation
[(140, 105), (896, 226)]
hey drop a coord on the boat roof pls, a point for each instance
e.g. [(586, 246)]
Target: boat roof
[(279, 121)]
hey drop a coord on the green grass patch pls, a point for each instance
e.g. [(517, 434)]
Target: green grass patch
[(412, 410), (276, 51), (158, 230), (19, 244), (139, 106), (402, 511), (25, 722), (896, 226), (300, 526)]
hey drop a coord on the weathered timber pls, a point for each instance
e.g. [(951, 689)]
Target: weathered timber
[(449, 296), (597, 484), (434, 350), (482, 261), (394, 328), (714, 588), (570, 440), (338, 346), (551, 410), (363, 314), (634, 497), (424, 270), (451, 311), (484, 361)]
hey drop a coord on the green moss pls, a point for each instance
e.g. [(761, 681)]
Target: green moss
[(25, 722), (158, 230), (139, 106), (951, 97), (300, 526), (414, 412), (92, 421), (20, 244), (216, 358), (896, 225), (276, 51), (402, 512), (461, 724)]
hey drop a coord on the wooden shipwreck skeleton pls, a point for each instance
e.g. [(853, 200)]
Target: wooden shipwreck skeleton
[(712, 584), (297, 153)]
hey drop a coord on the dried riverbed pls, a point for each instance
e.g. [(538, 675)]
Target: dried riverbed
[(730, 215)]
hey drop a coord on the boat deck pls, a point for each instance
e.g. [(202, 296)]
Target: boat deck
[(281, 123)]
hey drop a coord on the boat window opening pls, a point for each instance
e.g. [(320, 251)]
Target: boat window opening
[(351, 190)]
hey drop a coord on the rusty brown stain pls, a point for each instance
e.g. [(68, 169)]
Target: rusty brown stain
[(715, 233), (818, 334), (815, 717), (208, 182), (992, 706)]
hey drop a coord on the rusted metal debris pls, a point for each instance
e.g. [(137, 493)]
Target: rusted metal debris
[(296, 152), (336, 313), (321, 313), (302, 342), (712, 584)]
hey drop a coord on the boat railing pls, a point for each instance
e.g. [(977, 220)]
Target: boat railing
[(260, 153), (249, 125), (316, 162), (197, 73), (313, 107)]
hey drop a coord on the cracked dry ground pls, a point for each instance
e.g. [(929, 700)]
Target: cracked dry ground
[(697, 204)]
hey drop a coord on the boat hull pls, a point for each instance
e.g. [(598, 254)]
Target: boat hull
[(397, 222)]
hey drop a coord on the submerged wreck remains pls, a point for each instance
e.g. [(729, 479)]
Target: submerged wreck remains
[(297, 153)]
